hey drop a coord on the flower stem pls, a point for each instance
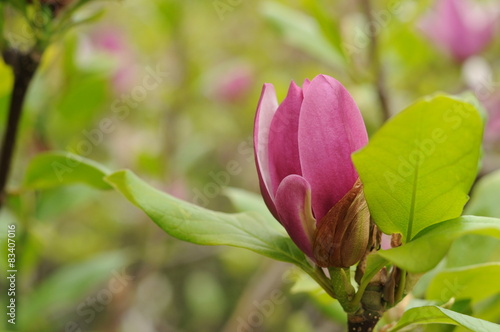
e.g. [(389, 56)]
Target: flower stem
[(323, 281), (24, 67), (359, 294), (342, 287)]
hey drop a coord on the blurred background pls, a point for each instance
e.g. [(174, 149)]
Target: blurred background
[(169, 89)]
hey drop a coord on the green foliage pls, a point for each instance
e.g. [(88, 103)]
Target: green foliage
[(438, 315), (189, 222), (431, 245), (245, 201), (484, 198), (413, 166), (476, 282), (54, 169), (181, 134)]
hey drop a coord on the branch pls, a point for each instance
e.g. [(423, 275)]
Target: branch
[(376, 66), (24, 67)]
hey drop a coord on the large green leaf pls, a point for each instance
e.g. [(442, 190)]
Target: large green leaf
[(438, 315), (245, 201), (54, 169), (191, 223), (429, 247), (469, 282), (484, 198), (473, 249), (418, 169)]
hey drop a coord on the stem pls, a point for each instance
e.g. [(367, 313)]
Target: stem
[(359, 294), (375, 64), (24, 67), (343, 288), (362, 323), (401, 287), (323, 281), (365, 281), (370, 310)]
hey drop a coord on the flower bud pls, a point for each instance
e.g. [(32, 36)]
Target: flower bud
[(342, 237), (303, 150)]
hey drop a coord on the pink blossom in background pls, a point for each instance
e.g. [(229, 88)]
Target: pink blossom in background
[(233, 84), (460, 28), (492, 129), (113, 42)]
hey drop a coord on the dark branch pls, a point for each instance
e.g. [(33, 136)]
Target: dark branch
[(373, 54), (24, 67)]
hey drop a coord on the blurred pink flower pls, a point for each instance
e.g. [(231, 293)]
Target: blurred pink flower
[(112, 41), (461, 28), (234, 84), (492, 130)]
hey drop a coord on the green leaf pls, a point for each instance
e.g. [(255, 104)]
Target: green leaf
[(53, 169), (484, 198), (431, 245), (419, 167), (471, 282), (473, 249), (438, 315), (191, 223), (302, 31), (245, 201), (329, 25)]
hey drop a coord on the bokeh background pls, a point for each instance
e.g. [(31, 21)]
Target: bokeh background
[(169, 89)]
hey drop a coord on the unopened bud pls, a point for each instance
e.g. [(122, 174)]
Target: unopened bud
[(342, 236)]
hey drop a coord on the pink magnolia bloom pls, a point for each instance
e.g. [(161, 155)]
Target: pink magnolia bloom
[(113, 42), (303, 153), (460, 27), (233, 85)]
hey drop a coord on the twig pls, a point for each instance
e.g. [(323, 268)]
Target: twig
[(376, 66), (24, 66)]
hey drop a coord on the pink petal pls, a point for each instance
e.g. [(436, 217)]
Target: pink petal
[(385, 242), (265, 111), (283, 138), (305, 85), (293, 203), (331, 128)]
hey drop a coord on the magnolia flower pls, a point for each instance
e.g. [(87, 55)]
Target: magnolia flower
[(233, 84), (303, 153), (460, 27)]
